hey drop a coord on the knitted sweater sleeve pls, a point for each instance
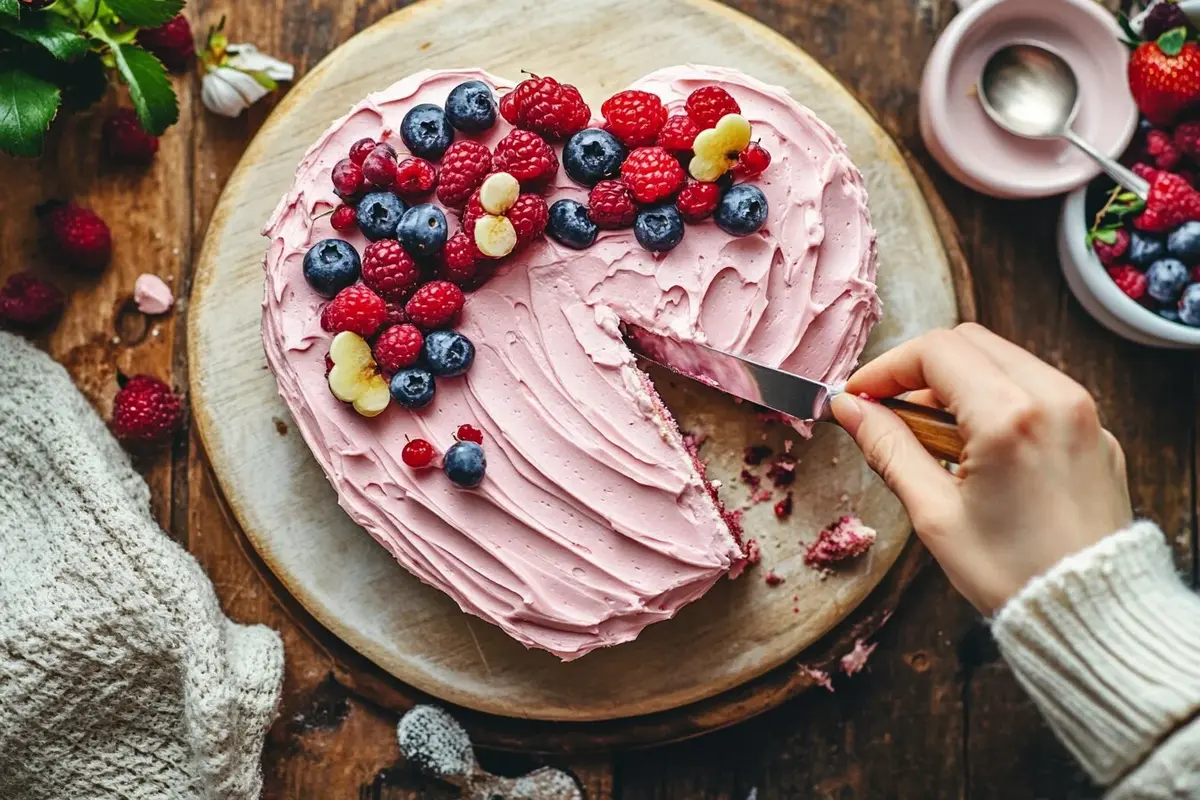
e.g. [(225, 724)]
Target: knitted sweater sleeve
[(1107, 643)]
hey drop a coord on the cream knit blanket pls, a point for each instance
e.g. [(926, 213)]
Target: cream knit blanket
[(119, 675)]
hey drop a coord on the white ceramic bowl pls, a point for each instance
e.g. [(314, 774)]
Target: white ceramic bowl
[(1097, 293)]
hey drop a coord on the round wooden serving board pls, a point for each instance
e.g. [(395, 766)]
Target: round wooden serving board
[(739, 632)]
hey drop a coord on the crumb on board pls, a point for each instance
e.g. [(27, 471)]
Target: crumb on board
[(756, 454), (280, 426), (783, 509), (819, 676), (853, 662), (845, 539), (773, 579)]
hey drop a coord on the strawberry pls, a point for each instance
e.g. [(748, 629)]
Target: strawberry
[(1164, 76), (1172, 202)]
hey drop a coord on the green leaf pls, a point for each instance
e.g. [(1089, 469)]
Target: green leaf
[(27, 107), (1106, 235), (10, 8), (1171, 42), (149, 88), (1131, 36), (145, 13), (52, 32)]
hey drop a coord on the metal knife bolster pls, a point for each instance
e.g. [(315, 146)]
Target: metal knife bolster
[(799, 397)]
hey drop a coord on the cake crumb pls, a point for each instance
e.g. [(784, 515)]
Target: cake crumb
[(846, 538), (783, 509), (753, 552), (787, 446), (844, 499), (834, 461), (758, 497), (750, 479), (853, 662), (772, 579), (819, 676), (782, 473), (756, 454), (280, 426), (795, 609)]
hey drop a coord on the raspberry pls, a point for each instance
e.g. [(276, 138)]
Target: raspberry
[(1144, 171), (528, 216), (1172, 202), (708, 104), (172, 42), (543, 105), (145, 410), (80, 236), (355, 308), (460, 259), (379, 167), (698, 200), (1129, 280), (394, 313), (435, 305), (398, 347), (344, 219), (418, 453), (1161, 147), (678, 133), (526, 156), (415, 177), (471, 212), (1109, 253), (125, 141), (469, 433), (783, 509), (361, 149), (1187, 139), (753, 161), (610, 205), (635, 117), (347, 178), (652, 174), (389, 270), (464, 166), (27, 300)]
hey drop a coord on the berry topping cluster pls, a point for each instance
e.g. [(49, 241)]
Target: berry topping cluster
[(655, 171), (423, 215), (1151, 249)]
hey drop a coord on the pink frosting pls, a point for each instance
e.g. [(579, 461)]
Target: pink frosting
[(593, 521)]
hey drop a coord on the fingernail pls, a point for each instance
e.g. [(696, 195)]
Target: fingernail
[(848, 412)]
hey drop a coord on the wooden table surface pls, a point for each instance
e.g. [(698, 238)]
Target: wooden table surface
[(936, 714)]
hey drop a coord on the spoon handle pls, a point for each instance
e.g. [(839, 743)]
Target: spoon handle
[(1132, 182)]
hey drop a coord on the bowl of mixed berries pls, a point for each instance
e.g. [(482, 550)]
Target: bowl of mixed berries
[(1135, 264)]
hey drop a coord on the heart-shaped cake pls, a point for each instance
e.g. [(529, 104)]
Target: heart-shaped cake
[(501, 442)]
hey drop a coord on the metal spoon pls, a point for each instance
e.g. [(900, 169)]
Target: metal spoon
[(1032, 92)]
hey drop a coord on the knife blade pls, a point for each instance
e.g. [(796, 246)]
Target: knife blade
[(795, 395)]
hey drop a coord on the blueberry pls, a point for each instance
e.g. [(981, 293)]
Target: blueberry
[(1145, 249), (1166, 279), (330, 266), (426, 132), (423, 230), (378, 215), (413, 387), (471, 107), (1189, 306), (1184, 243), (658, 228), (592, 155), (465, 464), (742, 210), (1169, 314), (448, 353), (569, 224)]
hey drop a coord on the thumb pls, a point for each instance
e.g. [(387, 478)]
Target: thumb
[(892, 450)]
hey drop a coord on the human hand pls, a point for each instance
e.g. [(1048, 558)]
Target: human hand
[(1040, 479)]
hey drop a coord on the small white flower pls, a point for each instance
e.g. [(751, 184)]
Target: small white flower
[(248, 58), (229, 92)]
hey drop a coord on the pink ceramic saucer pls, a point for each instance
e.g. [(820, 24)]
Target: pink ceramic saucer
[(977, 152)]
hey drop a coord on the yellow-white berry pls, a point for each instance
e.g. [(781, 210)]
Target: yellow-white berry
[(495, 236), (498, 193), (354, 378), (716, 149)]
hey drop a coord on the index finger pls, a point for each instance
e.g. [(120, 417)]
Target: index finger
[(969, 383)]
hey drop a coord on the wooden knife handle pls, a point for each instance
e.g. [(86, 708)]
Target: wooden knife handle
[(934, 428)]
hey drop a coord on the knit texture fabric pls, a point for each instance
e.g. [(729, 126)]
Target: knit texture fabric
[(119, 675), (1108, 645)]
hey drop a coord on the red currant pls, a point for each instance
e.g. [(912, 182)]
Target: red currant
[(380, 167), (417, 453), (753, 160), (347, 178), (469, 433), (360, 150), (344, 218)]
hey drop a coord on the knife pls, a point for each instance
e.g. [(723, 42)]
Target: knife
[(800, 397)]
